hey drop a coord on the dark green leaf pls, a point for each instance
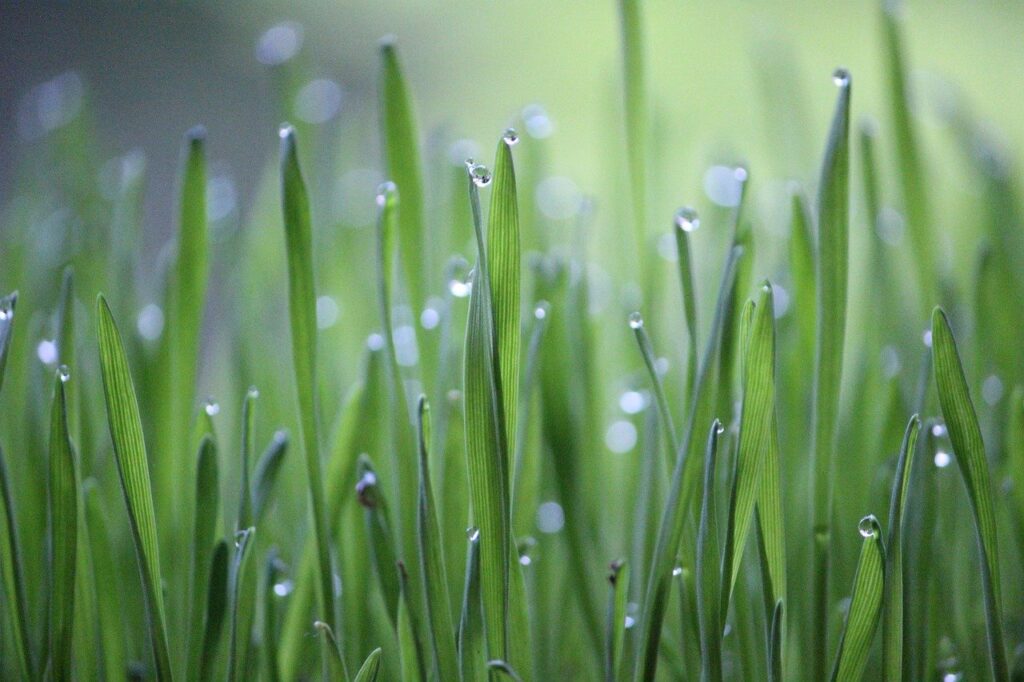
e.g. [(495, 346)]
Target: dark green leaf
[(865, 606)]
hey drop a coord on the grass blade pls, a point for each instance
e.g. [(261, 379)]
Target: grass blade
[(636, 117), (370, 668), (237, 649), (432, 559), (831, 286), (206, 521), (775, 645), (8, 304), (272, 572), (709, 569), (686, 221), (63, 494), (245, 505), (865, 605), (332, 668), (472, 642), (412, 666), (216, 609), (133, 468), (402, 166), (892, 604), (615, 639), (379, 532), (302, 313), (969, 448), (267, 470)]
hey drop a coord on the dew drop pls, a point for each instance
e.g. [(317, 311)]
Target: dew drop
[(868, 526), (636, 320), (253, 392), (385, 191), (6, 312), (366, 489), (942, 459), (473, 533), (327, 312), (687, 219), (150, 322), (284, 588), (64, 373), (630, 622), (479, 173), (992, 389), (721, 429), (621, 436), (841, 77), (541, 311), (286, 130), (240, 537), (460, 282), (211, 407), (511, 137), (677, 571)]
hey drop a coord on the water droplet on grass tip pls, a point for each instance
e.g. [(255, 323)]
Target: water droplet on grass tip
[(460, 283), (480, 174), (211, 407), (385, 191), (253, 392), (687, 219), (636, 320), (64, 373), (366, 490), (868, 526), (472, 533), (511, 137), (841, 77)]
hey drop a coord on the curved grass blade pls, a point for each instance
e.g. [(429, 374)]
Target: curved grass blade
[(505, 669), (686, 220), (969, 448), (204, 531), (431, 557), (865, 605), (302, 313), (709, 569), (831, 282), (245, 512), (267, 470), (683, 484), (615, 637), (332, 665), (472, 642), (216, 609), (237, 649), (775, 645), (892, 603), (379, 532), (636, 323), (630, 21), (132, 466), (63, 494), (370, 668), (402, 166)]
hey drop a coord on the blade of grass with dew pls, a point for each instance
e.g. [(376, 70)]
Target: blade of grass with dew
[(630, 21), (133, 469), (636, 323), (486, 447), (865, 605), (686, 221), (380, 534), (332, 665), (681, 491), (969, 448), (267, 471), (217, 604), (370, 668), (615, 628), (892, 602), (63, 495), (756, 421), (402, 166), (442, 632), (832, 263), (236, 648), (10, 554), (204, 531), (302, 313), (912, 173), (472, 641), (709, 569)]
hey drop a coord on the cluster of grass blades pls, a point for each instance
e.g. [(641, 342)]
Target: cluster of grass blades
[(448, 510)]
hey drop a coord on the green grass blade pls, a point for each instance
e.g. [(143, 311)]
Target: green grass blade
[(272, 573), (332, 665), (370, 668), (831, 282), (892, 604), (630, 21), (865, 606), (379, 531), (133, 468), (682, 486), (412, 666), (756, 432), (615, 629), (709, 569), (204, 531), (267, 471), (442, 632), (8, 304), (472, 642), (636, 323), (63, 495), (965, 434), (245, 505), (503, 253), (217, 604), (302, 314), (402, 166), (775, 645), (239, 635), (686, 221), (486, 448)]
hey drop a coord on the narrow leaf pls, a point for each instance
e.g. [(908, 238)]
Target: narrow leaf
[(615, 637), (267, 470), (370, 668), (709, 569), (865, 605), (236, 651), (205, 522), (472, 643), (217, 604)]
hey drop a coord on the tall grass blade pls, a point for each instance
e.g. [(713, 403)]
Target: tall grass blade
[(831, 281), (615, 629), (245, 505), (302, 314), (370, 668), (8, 305), (865, 605), (130, 453), (332, 664), (892, 604), (267, 472), (709, 569), (239, 635), (204, 531), (379, 531), (63, 494), (217, 604), (686, 220), (969, 448), (775, 644), (409, 653), (472, 642), (630, 21)]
